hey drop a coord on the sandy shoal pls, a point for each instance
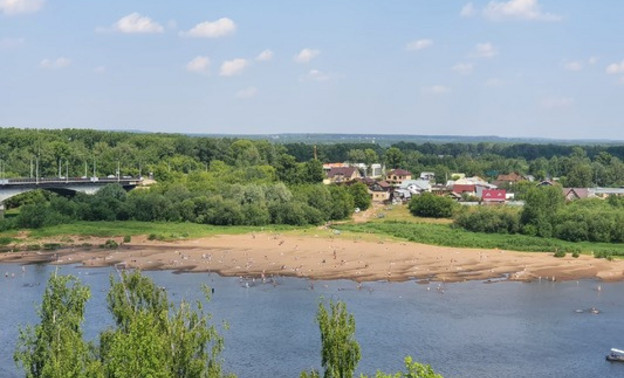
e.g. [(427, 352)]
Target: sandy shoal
[(254, 255)]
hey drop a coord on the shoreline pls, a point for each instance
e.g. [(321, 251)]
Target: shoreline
[(328, 258)]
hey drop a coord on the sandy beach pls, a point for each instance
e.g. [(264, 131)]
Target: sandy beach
[(328, 257)]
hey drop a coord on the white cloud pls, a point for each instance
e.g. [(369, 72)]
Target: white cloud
[(248, 92), (573, 66), (199, 64), (419, 45), (211, 29), (233, 67), (8, 43), (55, 63), (615, 68), (468, 10), (556, 102), (463, 68), (436, 89), (484, 50), (11, 7), (265, 56), (317, 75), (493, 82), (306, 55), (621, 80), (517, 9), (100, 69), (593, 60), (135, 23)]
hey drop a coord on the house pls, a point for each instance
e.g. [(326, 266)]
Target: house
[(401, 195), (380, 191), (494, 196), (429, 176), (509, 180), (468, 184), (328, 166), (416, 186), (341, 174), (397, 176), (376, 170), (606, 192), (572, 194)]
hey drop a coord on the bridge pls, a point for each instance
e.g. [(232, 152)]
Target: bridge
[(63, 185)]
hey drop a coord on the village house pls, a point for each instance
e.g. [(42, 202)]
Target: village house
[(509, 180), (380, 191), (493, 196), (429, 176), (572, 194), (416, 186), (397, 176), (341, 174)]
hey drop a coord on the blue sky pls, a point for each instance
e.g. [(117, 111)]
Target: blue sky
[(519, 68)]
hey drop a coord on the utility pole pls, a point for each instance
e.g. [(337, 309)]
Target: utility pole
[(37, 170), (66, 170), (31, 167), (118, 172), (85, 175), (94, 167)]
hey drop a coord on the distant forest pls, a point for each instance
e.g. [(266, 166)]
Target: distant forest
[(79, 152)]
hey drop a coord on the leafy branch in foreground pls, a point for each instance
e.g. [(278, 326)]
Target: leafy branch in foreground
[(340, 352)]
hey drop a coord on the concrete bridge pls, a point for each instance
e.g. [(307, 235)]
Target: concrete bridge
[(62, 185)]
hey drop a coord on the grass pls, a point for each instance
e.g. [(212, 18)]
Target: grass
[(446, 235), (400, 213), (163, 231)]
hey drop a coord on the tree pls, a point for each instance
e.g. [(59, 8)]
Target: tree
[(431, 206), (394, 158), (413, 370), (154, 339), (540, 209), (361, 197), (55, 347), (340, 352)]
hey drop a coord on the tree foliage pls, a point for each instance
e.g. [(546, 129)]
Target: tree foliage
[(151, 337), (55, 347), (431, 206)]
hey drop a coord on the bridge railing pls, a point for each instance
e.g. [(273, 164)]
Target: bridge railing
[(67, 180)]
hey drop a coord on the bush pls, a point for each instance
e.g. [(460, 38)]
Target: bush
[(431, 206), (127, 239), (110, 244), (575, 254), (489, 219), (5, 240), (560, 253)]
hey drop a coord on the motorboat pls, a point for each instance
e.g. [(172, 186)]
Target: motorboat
[(616, 355)]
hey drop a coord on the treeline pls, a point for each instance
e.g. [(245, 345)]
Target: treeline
[(236, 204), (76, 153), (546, 214)]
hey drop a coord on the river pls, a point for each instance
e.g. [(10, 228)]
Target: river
[(470, 329)]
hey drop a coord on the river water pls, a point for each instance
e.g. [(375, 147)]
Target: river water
[(471, 329)]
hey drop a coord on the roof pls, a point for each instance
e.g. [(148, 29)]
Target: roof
[(399, 172), (512, 177), (494, 194), (341, 171), (333, 165), (576, 192), (420, 184)]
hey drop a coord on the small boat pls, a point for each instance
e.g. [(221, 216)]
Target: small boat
[(616, 355)]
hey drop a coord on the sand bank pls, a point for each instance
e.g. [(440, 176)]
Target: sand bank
[(254, 255)]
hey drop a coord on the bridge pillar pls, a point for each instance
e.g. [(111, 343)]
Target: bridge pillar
[(2, 210)]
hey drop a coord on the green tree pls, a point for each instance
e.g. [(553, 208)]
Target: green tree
[(393, 158), (55, 347), (540, 209), (431, 206), (340, 352), (361, 197), (152, 338), (413, 370)]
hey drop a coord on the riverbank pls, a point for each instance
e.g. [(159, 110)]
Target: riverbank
[(327, 257)]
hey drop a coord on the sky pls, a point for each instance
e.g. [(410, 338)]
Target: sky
[(510, 68)]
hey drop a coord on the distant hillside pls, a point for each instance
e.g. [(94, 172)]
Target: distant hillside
[(389, 139)]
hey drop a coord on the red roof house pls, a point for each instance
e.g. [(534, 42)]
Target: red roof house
[(494, 195)]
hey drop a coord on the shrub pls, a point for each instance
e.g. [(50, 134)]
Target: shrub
[(560, 253), (431, 206), (110, 244), (127, 239)]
